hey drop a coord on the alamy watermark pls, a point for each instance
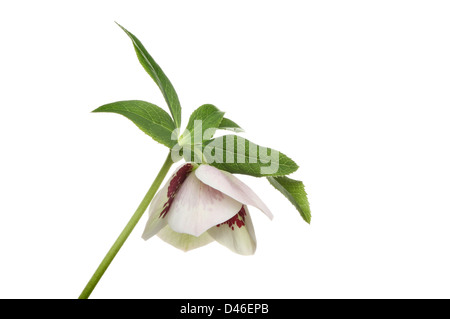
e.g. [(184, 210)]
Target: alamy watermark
[(228, 149)]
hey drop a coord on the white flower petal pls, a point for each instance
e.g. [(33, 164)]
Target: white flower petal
[(184, 242), (230, 185), (161, 202), (154, 224), (198, 207), (237, 234)]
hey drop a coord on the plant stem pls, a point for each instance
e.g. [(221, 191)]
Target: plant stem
[(127, 230)]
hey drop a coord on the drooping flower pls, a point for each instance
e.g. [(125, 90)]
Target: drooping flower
[(200, 204)]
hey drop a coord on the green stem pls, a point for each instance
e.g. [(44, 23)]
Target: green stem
[(127, 230)]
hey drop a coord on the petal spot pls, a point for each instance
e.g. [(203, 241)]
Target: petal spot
[(174, 185), (237, 220)]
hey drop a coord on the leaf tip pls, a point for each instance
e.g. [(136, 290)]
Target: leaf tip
[(308, 220), (97, 110), (123, 28)]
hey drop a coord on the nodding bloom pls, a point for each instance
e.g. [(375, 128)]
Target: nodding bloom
[(201, 204)]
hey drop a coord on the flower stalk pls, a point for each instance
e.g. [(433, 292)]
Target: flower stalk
[(127, 230)]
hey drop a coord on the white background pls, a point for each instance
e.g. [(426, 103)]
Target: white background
[(357, 92)]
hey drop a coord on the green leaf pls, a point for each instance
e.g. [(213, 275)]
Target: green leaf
[(229, 125), (205, 119), (157, 74), (238, 155), (295, 193), (151, 119)]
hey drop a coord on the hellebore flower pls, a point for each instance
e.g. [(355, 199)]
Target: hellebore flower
[(200, 204)]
